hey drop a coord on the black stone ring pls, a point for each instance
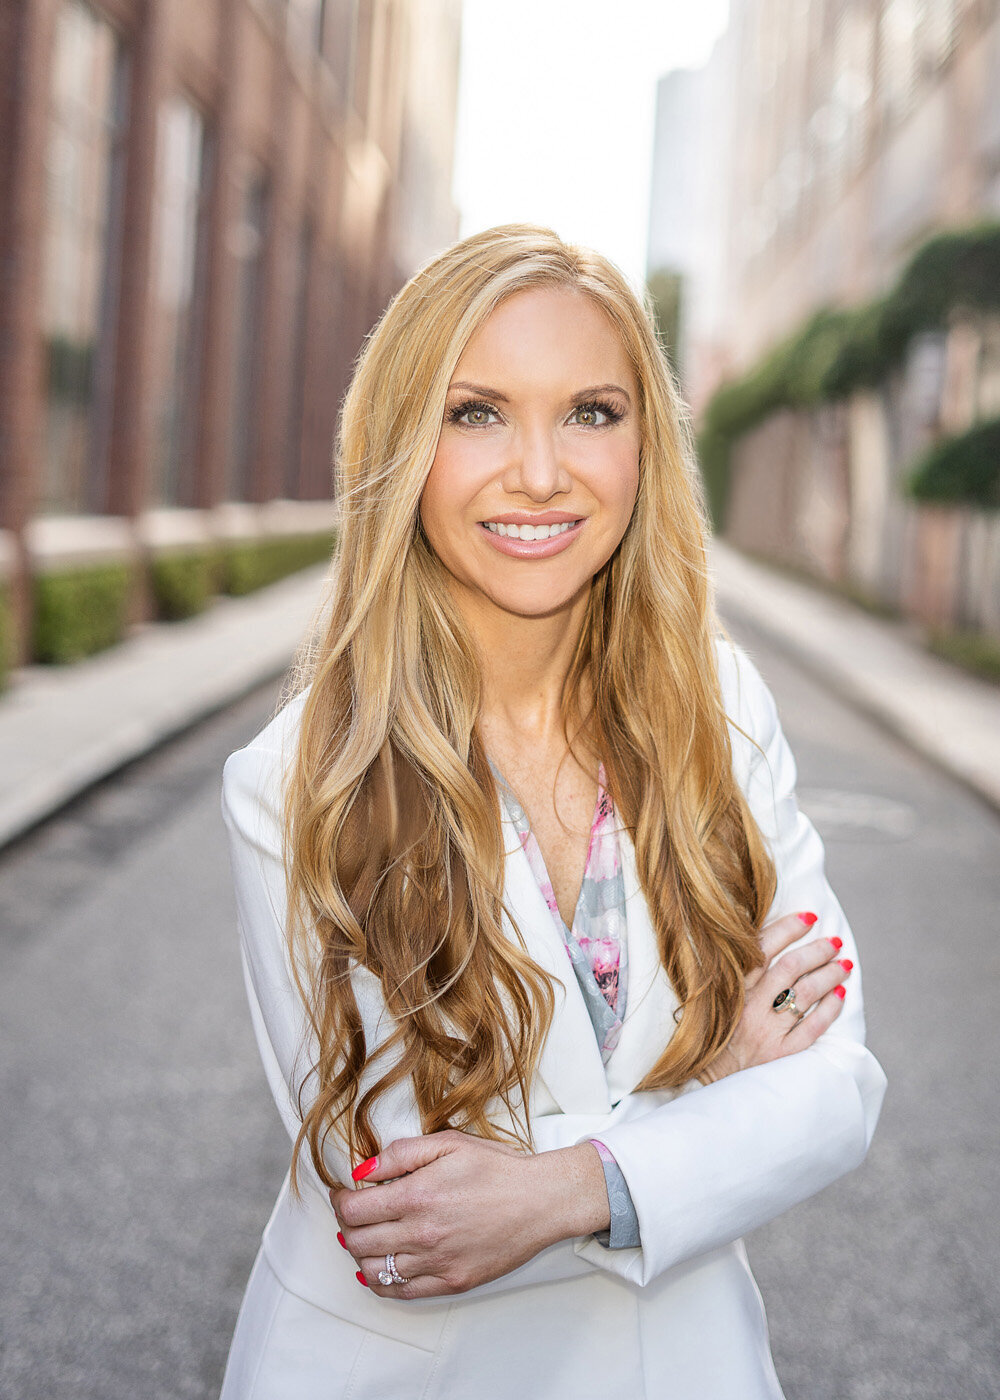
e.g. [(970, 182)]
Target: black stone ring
[(785, 1001)]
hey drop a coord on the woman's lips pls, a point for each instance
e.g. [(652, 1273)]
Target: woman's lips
[(532, 549)]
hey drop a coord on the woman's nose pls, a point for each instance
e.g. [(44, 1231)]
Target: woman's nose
[(538, 470)]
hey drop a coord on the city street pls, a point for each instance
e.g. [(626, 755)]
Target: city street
[(141, 1151)]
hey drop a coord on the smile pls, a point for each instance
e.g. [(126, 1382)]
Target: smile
[(524, 541), (529, 532)]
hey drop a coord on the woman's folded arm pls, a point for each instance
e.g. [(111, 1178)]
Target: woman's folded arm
[(251, 810), (700, 1168), (724, 1158)]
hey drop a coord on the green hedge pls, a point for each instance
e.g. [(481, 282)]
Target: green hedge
[(962, 469), (864, 357), (80, 611), (250, 564), (792, 375), (973, 651), (838, 351), (184, 582), (666, 291), (955, 270)]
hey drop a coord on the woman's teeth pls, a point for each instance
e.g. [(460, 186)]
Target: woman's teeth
[(529, 532)]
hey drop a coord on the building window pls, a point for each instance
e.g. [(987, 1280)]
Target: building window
[(937, 34), (339, 42), (898, 57), (300, 336), (304, 24), (83, 177), (181, 189), (248, 244)]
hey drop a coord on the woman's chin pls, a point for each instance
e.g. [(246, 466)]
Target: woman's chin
[(536, 602)]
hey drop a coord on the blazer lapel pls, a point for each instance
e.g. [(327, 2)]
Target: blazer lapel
[(649, 998), (570, 1064)]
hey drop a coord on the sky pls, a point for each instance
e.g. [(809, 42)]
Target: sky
[(555, 113)]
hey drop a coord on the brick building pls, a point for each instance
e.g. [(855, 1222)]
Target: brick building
[(204, 205)]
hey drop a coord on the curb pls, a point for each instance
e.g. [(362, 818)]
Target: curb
[(878, 666), (64, 730)]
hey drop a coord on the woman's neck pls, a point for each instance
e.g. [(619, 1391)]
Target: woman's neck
[(526, 662)]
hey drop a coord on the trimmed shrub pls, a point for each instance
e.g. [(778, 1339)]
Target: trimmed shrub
[(838, 351), (955, 270), (79, 611), (251, 564), (963, 469), (665, 289), (792, 375), (184, 582), (864, 358), (970, 650)]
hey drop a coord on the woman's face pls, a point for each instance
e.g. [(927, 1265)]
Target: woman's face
[(537, 466)]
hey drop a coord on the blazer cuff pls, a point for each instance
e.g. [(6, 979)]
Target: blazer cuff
[(624, 1231)]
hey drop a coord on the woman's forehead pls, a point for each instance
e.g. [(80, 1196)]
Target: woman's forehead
[(546, 329)]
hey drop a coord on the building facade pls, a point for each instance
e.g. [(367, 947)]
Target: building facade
[(846, 135), (204, 206), (835, 137)]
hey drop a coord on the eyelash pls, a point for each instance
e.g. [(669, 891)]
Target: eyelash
[(605, 406)]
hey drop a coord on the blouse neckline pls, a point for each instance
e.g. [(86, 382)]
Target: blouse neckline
[(595, 943)]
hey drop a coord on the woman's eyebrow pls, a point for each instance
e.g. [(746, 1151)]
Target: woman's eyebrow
[(487, 392), (478, 389)]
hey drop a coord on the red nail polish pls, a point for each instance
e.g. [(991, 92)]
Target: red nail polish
[(840, 992), (838, 943), (361, 1278), (341, 1241), (846, 964), (809, 919), (363, 1168)]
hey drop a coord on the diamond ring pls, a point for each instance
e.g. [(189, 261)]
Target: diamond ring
[(390, 1274)]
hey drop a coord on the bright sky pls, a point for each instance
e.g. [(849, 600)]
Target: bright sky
[(556, 106)]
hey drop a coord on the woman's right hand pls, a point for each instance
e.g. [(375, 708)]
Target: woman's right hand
[(815, 971)]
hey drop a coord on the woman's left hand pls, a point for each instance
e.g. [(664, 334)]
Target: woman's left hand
[(458, 1210)]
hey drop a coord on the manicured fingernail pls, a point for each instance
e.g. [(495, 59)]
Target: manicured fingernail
[(361, 1278), (809, 919), (846, 964), (363, 1169), (341, 1241), (837, 942), (840, 992)]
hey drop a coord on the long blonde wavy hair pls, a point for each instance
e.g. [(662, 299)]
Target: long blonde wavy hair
[(394, 855)]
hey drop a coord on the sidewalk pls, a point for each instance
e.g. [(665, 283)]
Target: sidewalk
[(951, 717), (63, 729)]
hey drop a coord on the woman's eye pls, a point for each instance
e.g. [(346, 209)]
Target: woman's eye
[(472, 415), (589, 414)]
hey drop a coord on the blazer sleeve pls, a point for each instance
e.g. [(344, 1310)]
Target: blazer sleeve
[(723, 1158), (251, 808)]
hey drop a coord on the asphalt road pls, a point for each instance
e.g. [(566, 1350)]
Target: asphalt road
[(141, 1152)]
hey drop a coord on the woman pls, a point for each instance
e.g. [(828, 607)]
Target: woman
[(539, 949)]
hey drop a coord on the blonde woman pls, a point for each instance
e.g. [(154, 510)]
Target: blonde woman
[(551, 990)]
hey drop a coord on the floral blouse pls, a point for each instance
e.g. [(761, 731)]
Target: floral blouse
[(598, 950)]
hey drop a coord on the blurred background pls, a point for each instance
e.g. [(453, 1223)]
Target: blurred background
[(204, 208)]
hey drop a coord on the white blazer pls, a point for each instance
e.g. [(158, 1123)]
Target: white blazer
[(678, 1317)]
